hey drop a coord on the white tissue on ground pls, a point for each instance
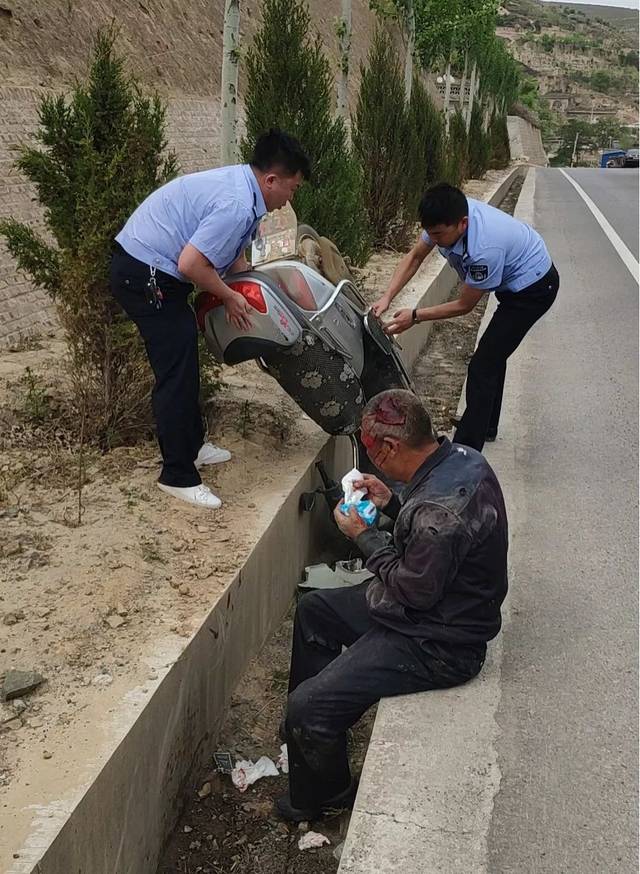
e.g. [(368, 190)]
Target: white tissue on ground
[(247, 772), (283, 759), (312, 839)]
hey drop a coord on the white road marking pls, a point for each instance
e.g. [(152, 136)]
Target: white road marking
[(627, 258)]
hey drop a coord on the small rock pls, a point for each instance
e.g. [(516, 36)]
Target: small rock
[(195, 845), (258, 808), (46, 754), (18, 705), (121, 610), (37, 559), (251, 506), (115, 621), (184, 589), (35, 722), (337, 852), (187, 829), (7, 713), (204, 790), (202, 530), (303, 826), (18, 683), (10, 619), (102, 680), (43, 612)]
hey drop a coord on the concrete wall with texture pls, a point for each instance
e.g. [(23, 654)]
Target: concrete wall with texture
[(173, 46)]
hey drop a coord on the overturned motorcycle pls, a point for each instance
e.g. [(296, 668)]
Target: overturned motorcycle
[(311, 329)]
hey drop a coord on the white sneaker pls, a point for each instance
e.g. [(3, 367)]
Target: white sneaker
[(200, 496), (210, 454)]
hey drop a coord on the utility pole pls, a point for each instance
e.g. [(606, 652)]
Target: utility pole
[(575, 150)]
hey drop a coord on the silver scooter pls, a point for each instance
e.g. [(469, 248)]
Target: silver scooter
[(318, 339)]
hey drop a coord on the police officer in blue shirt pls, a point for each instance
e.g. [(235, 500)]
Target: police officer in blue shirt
[(194, 230), (490, 251)]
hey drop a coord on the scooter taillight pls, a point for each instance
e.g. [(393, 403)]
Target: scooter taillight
[(203, 303), (252, 292)]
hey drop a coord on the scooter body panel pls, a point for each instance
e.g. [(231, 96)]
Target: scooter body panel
[(316, 339)]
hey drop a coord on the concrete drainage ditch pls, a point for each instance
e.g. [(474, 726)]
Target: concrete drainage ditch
[(114, 815), (223, 830)]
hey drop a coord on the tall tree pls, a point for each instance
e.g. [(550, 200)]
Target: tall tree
[(290, 85), (410, 32), (229, 87), (98, 154), (381, 139), (344, 38)]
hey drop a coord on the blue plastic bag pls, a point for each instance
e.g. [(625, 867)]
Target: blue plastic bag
[(367, 510)]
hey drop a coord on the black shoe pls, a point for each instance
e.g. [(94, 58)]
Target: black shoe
[(491, 438), (343, 801)]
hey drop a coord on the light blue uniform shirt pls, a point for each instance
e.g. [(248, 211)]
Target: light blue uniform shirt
[(217, 211), (498, 252)]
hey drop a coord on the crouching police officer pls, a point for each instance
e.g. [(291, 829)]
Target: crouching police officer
[(194, 230), (490, 251)]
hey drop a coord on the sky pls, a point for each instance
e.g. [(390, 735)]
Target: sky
[(627, 4)]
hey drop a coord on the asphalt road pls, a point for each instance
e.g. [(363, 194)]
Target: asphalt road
[(616, 195), (567, 747)]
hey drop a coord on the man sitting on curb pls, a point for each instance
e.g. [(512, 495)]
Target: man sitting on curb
[(421, 623)]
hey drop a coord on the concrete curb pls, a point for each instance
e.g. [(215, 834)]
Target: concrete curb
[(431, 772), (116, 819)]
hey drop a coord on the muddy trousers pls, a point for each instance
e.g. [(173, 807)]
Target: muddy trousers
[(330, 689), (514, 316), (170, 336)]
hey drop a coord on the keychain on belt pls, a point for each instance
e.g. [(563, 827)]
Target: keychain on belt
[(154, 295)]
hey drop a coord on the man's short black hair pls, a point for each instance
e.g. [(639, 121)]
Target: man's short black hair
[(442, 204), (275, 148)]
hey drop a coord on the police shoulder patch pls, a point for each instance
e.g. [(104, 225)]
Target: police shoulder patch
[(478, 272)]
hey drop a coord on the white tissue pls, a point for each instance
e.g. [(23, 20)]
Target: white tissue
[(351, 495)]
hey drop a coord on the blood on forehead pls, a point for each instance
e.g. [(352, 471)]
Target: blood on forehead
[(388, 413), (368, 440)]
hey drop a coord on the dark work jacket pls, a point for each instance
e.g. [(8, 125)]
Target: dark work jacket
[(443, 576)]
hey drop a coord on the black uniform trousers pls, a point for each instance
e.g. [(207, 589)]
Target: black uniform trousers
[(329, 690), (170, 337), (514, 316)]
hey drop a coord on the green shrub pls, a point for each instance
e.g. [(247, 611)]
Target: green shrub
[(479, 145), (427, 134), (382, 142), (98, 155), (289, 85), (499, 139), (456, 160)]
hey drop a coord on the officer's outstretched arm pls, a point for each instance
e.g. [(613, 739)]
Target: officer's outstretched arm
[(406, 270), (464, 303)]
